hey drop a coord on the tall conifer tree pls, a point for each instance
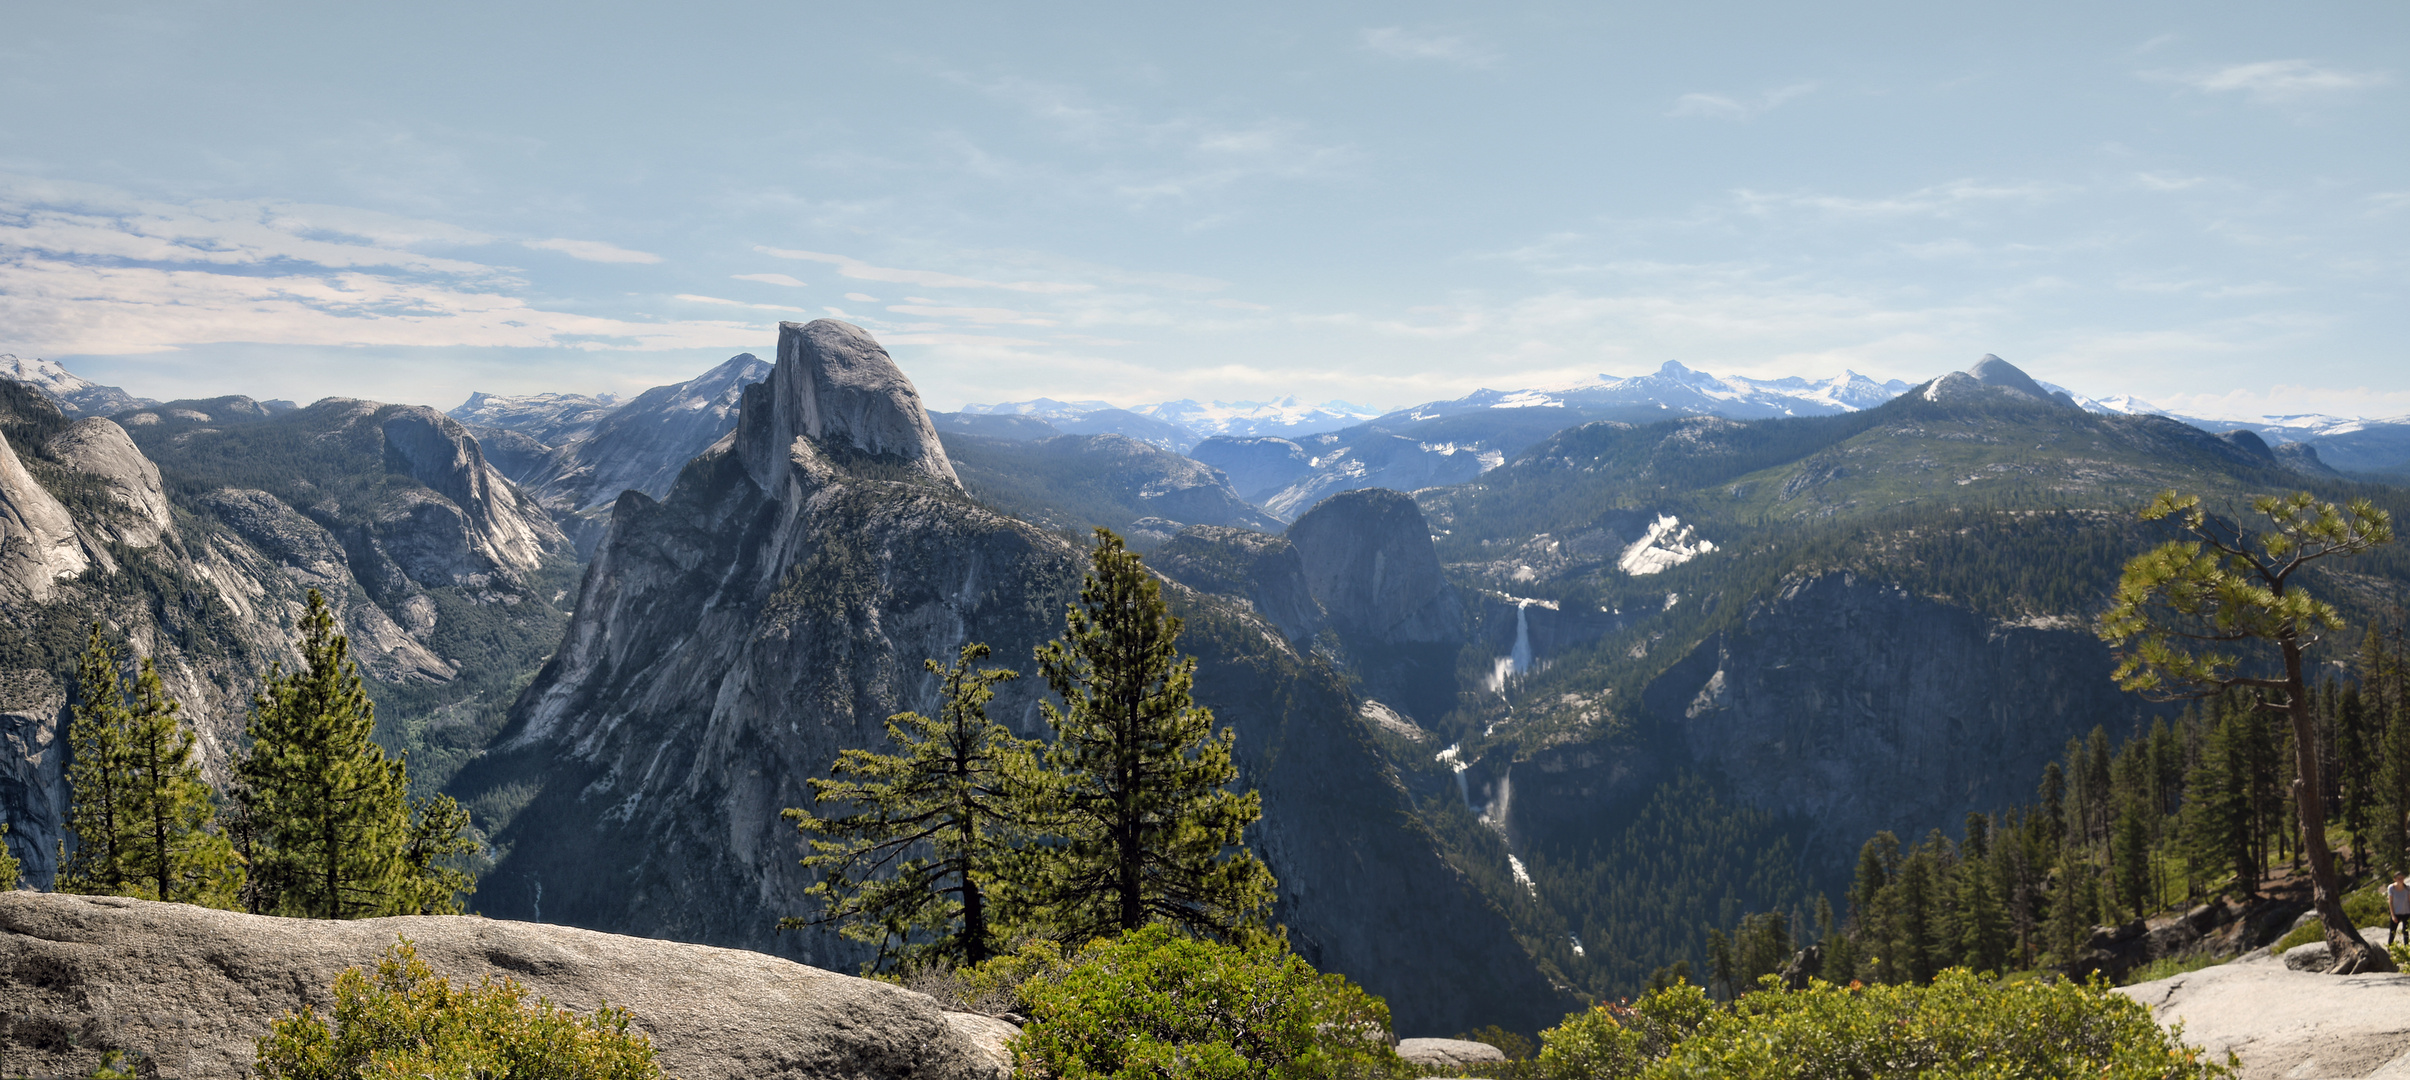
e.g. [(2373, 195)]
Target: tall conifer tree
[(174, 853), (329, 805), (915, 861), (100, 814), (1148, 829)]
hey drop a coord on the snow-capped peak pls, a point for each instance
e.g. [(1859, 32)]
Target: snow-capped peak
[(43, 375)]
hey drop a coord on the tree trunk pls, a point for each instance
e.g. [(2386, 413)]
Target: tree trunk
[(2352, 953)]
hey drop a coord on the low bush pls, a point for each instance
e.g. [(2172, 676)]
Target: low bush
[(1154, 1005), (406, 1022), (1963, 1025), (2366, 908)]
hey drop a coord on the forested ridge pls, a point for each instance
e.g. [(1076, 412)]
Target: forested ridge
[(2024, 516)]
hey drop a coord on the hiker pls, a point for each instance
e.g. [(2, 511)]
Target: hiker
[(2397, 897)]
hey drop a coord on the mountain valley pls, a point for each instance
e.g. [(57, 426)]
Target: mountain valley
[(1538, 687)]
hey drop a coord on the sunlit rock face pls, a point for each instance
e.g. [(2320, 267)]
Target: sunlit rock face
[(775, 608)]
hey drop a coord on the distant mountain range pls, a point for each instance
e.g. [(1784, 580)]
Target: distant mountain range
[(1178, 425)]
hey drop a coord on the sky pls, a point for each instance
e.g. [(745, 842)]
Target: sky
[(2205, 205)]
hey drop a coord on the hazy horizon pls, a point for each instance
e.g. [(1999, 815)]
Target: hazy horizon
[(1388, 205)]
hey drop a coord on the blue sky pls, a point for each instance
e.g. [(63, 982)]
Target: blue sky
[(2206, 205)]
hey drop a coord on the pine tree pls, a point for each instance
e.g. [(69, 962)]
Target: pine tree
[(1147, 829), (431, 883), (2132, 843), (2182, 609), (8, 862), (328, 805), (100, 814), (914, 865), (1919, 938), (2217, 818), (173, 853)]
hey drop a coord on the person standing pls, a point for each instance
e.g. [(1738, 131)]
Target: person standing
[(2397, 897)]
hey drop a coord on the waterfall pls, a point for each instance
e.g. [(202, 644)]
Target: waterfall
[(1522, 653)]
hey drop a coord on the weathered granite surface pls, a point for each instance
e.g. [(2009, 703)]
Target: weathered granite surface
[(193, 989)]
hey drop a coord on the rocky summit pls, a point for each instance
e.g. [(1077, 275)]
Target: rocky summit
[(190, 990), (775, 608)]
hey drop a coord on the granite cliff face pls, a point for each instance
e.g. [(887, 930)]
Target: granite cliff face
[(1368, 562), (776, 606), (1832, 690), (425, 554)]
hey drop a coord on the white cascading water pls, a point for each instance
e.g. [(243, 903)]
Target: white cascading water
[(1522, 653), (1517, 661)]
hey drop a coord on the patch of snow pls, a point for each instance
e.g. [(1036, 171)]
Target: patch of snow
[(1668, 544)]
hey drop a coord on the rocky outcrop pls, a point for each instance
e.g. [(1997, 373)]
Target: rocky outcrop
[(190, 990), (102, 450), (772, 610), (1992, 380), (1449, 1053), (1263, 571), (1369, 563), (1368, 560), (835, 386), (38, 542), (2282, 1023)]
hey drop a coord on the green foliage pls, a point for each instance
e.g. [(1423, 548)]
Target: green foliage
[(1963, 1025), (326, 817), (407, 1022), (8, 862), (1620, 1040), (933, 827), (2366, 908), (1154, 1005), (141, 810), (101, 816), (1644, 896), (1143, 826), (2185, 605), (1514, 1046)]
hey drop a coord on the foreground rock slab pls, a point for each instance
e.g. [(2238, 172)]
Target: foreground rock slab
[(1448, 1052), (2281, 1023), (192, 989)]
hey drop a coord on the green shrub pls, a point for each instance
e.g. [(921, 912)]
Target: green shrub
[(2366, 908), (406, 1022), (1511, 1044), (1153, 1005), (1963, 1025), (8, 862)]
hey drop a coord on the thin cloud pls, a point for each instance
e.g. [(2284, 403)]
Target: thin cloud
[(863, 298), (1400, 43), (592, 251), (1939, 200), (770, 279), (2272, 81), (1721, 107), (856, 268), (694, 299), (90, 271), (974, 314)]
